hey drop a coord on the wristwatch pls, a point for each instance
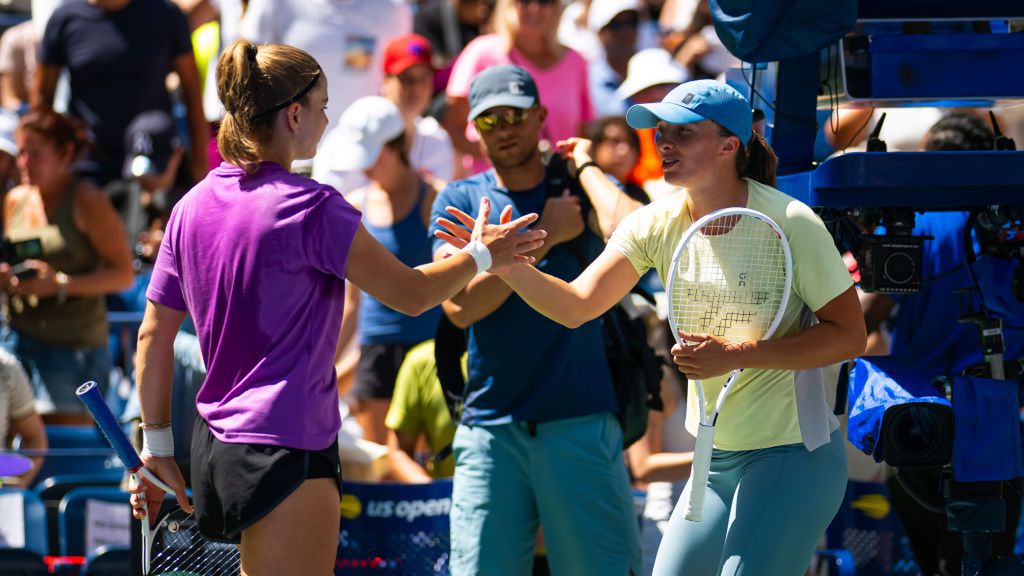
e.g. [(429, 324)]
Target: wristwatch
[(62, 287)]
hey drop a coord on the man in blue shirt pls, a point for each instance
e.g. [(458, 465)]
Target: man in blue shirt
[(118, 54), (539, 444)]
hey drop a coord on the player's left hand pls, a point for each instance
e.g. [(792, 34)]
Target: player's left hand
[(43, 284), (705, 356)]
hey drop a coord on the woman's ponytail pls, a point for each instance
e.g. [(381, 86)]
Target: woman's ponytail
[(252, 80), (757, 161)]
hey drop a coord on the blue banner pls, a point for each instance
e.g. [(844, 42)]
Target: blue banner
[(394, 528)]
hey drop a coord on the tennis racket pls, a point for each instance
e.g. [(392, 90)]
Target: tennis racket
[(174, 545), (729, 277)]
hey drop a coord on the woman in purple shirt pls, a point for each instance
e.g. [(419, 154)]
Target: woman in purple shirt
[(258, 257)]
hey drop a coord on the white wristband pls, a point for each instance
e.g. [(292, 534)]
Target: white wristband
[(481, 255), (159, 443)]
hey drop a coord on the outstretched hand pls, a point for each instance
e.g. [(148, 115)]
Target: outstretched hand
[(705, 356), (506, 241)]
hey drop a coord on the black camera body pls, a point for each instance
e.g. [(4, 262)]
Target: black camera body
[(891, 264), (1000, 231), (16, 252)]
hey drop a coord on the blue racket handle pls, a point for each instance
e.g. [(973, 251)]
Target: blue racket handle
[(89, 393)]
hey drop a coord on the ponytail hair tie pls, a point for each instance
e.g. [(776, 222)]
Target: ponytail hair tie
[(250, 53)]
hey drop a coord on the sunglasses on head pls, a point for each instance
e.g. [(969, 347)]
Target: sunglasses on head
[(488, 122)]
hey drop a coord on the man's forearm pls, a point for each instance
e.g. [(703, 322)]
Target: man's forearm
[(483, 295)]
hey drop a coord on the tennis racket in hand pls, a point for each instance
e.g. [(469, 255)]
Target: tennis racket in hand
[(730, 278), (173, 544)]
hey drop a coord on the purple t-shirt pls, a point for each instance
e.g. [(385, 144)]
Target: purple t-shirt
[(258, 260)]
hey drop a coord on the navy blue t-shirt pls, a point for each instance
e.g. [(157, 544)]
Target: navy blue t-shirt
[(523, 366), (118, 63), (926, 326)]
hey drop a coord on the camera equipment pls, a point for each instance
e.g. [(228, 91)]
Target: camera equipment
[(876, 144), (24, 272), (918, 435), (18, 251), (1000, 231), (1001, 142), (1018, 283), (890, 262)]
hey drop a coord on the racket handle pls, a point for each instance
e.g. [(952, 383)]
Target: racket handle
[(699, 473), (89, 393)]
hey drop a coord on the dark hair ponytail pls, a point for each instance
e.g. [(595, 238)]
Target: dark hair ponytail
[(756, 160)]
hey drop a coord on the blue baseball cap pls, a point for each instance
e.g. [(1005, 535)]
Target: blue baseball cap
[(696, 101), (506, 85)]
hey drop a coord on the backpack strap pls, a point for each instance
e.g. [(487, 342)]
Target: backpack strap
[(449, 346)]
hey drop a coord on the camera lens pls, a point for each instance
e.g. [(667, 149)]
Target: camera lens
[(918, 434), (899, 268)]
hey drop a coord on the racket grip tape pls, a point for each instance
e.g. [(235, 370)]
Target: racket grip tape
[(89, 394), (699, 473)]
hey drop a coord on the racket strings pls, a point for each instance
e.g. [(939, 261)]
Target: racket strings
[(179, 546), (730, 279)]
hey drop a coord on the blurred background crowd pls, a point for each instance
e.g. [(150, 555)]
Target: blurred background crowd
[(108, 115)]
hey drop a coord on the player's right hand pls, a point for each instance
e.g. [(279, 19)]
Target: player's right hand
[(507, 241), (146, 497)]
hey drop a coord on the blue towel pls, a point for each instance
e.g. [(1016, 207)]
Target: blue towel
[(987, 443), (876, 383)]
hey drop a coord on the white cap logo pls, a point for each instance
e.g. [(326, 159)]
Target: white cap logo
[(515, 89)]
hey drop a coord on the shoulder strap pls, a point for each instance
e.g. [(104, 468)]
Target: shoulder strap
[(449, 345)]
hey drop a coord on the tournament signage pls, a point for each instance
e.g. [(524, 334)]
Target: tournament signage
[(394, 528)]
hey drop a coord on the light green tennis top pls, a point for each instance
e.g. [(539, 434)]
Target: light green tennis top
[(765, 408)]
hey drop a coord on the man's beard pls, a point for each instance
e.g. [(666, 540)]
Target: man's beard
[(516, 162)]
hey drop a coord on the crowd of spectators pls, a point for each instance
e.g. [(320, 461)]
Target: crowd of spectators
[(109, 113)]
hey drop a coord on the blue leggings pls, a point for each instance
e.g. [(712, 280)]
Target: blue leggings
[(764, 513)]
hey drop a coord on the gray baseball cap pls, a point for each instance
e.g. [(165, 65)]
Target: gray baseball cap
[(506, 85)]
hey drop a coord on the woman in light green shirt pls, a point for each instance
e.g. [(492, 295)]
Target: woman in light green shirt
[(778, 471)]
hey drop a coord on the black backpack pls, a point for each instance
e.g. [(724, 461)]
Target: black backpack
[(635, 367)]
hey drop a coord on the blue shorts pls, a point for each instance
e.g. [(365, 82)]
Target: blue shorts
[(57, 371), (764, 512), (569, 478)]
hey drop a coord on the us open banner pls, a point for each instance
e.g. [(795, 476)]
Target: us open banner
[(394, 528)]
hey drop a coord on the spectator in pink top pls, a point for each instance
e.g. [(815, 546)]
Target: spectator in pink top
[(258, 257), (525, 35)]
